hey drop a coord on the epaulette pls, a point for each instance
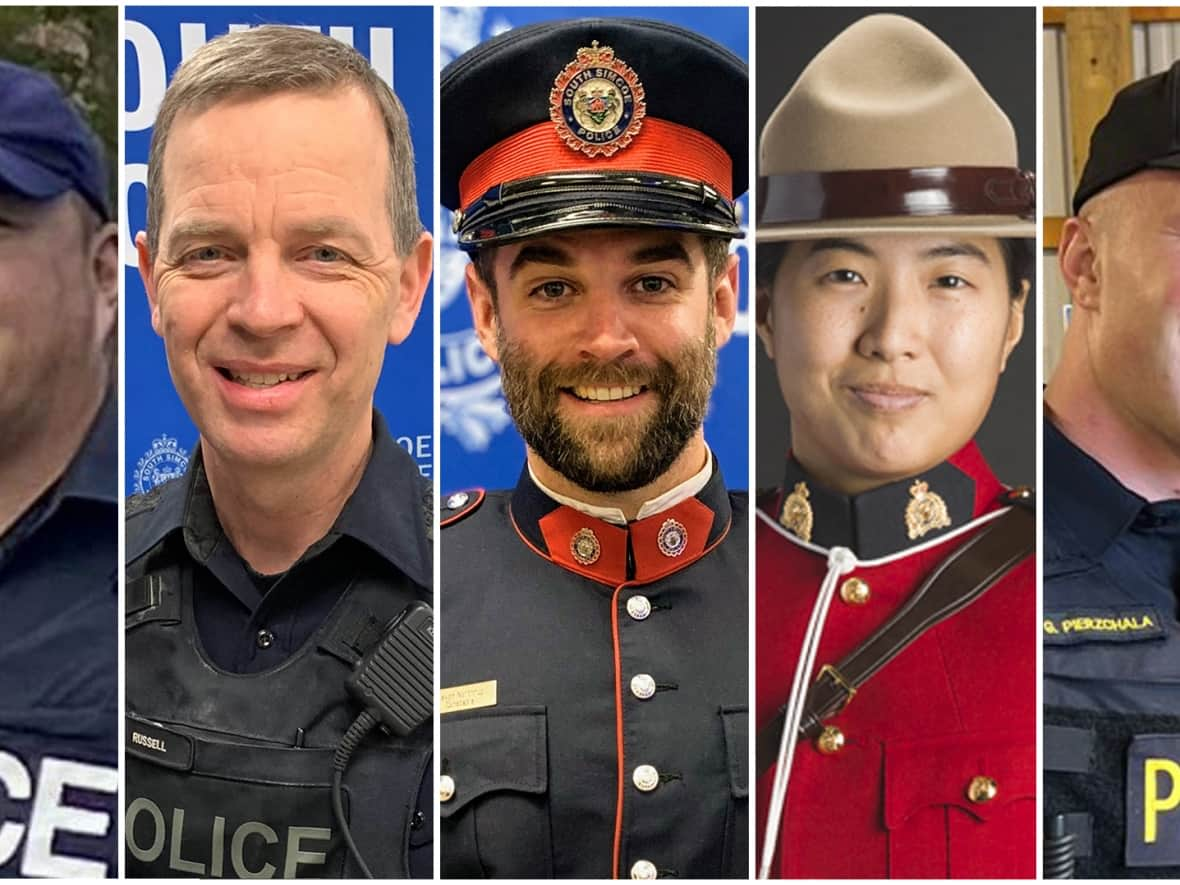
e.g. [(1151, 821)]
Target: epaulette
[(1020, 496), (141, 503), (458, 505)]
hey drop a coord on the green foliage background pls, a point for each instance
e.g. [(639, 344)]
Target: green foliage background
[(77, 45)]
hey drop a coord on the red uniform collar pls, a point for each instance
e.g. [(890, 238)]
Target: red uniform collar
[(641, 551)]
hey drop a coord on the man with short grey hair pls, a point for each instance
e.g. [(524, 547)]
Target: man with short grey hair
[(283, 253)]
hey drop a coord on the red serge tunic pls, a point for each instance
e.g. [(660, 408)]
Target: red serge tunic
[(958, 704)]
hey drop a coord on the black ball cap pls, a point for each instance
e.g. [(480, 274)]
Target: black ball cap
[(535, 161), (1140, 131)]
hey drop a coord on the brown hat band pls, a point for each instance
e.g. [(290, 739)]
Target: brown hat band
[(802, 197)]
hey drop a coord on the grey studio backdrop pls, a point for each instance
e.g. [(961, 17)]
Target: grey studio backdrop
[(999, 45)]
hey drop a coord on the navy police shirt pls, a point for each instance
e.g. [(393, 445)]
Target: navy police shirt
[(1112, 589), (249, 622), (1111, 640), (59, 671)]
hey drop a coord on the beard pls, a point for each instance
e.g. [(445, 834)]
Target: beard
[(615, 454)]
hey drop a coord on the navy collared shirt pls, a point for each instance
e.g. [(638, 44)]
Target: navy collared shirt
[(59, 669), (249, 622), (1112, 589)]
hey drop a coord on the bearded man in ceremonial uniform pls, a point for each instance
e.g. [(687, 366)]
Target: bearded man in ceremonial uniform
[(894, 258), (594, 690)]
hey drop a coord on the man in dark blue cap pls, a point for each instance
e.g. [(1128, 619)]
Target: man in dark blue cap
[(594, 690), (1112, 506), (58, 488)]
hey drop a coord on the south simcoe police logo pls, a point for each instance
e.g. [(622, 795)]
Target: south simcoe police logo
[(164, 461), (597, 102)]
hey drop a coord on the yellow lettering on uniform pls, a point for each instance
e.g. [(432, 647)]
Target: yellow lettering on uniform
[(1050, 628), (1125, 624), (1152, 804)]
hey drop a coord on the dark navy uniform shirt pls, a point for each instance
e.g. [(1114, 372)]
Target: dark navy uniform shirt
[(59, 671), (1108, 554), (249, 622), (1112, 666)]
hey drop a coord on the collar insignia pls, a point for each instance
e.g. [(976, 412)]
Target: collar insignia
[(673, 538), (585, 547), (597, 102), (797, 517), (926, 512)]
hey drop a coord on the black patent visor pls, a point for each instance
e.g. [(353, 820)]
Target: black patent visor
[(544, 203)]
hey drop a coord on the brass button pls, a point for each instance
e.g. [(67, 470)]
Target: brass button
[(830, 740), (646, 778), (644, 869), (643, 686), (446, 788), (982, 789), (639, 607), (854, 591)]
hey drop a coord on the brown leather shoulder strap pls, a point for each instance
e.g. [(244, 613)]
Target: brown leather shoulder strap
[(958, 581)]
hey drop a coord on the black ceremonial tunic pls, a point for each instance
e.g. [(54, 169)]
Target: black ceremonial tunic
[(603, 727), (1112, 668)]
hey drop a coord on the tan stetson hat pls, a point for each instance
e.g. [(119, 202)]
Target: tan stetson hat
[(888, 131)]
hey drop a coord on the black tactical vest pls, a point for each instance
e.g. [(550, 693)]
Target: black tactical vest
[(229, 775), (1114, 780)]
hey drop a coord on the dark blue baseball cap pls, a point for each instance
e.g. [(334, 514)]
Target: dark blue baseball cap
[(45, 147)]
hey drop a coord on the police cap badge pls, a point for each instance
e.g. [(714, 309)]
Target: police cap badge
[(589, 123)]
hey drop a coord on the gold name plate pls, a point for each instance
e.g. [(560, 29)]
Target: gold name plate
[(467, 697)]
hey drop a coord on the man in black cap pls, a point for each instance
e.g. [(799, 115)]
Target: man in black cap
[(594, 692), (1112, 506), (58, 488)]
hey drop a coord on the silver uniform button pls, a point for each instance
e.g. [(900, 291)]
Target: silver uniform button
[(264, 639), (457, 500), (644, 869), (446, 788), (639, 607), (646, 778), (642, 686)]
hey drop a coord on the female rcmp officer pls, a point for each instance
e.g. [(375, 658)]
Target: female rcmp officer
[(896, 727)]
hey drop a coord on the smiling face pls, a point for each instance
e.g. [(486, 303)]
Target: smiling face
[(607, 343), (888, 350), (277, 286)]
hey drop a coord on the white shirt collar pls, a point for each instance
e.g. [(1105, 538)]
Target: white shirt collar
[(670, 498)]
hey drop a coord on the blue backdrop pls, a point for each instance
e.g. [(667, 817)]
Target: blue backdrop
[(479, 446), (399, 43)]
